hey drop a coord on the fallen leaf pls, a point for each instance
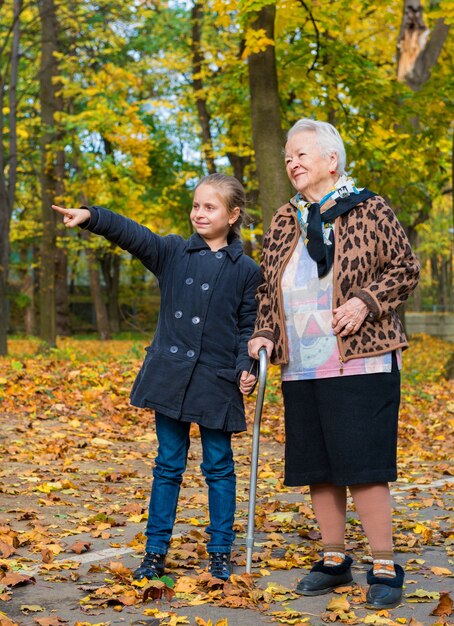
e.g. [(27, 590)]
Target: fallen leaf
[(289, 617), (91, 624), (377, 620), (157, 590), (119, 569), (185, 584), (338, 604), (441, 571), (444, 607), (31, 608), (6, 550), (100, 442), (128, 598), (12, 579), (421, 595), (47, 555), (80, 546)]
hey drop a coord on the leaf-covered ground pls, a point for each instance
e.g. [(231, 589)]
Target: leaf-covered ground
[(75, 475)]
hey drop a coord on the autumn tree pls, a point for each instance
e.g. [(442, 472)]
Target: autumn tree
[(418, 51), (9, 59), (267, 133), (49, 106)]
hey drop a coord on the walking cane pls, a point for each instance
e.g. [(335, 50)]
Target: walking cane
[(255, 458)]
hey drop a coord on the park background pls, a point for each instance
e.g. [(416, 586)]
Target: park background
[(127, 105)]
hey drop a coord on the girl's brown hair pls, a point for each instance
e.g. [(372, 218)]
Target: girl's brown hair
[(234, 196)]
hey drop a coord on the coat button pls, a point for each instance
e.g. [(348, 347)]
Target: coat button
[(190, 353), (189, 281), (178, 314), (195, 320), (205, 286), (219, 255), (202, 252), (173, 349)]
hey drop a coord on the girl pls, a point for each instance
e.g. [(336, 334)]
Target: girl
[(197, 365)]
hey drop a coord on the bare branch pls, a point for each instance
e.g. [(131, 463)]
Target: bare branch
[(317, 36)]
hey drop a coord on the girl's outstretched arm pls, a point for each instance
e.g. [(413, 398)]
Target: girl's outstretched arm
[(151, 249), (72, 217)]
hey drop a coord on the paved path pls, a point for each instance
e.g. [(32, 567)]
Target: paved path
[(59, 592)]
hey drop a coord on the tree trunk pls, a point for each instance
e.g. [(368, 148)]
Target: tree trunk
[(267, 134), (197, 84), (4, 260), (29, 290), (451, 253), (418, 49), (434, 276), (61, 293), (8, 185), (102, 319), (61, 254), (238, 163), (48, 73), (451, 280), (415, 298), (444, 289), (110, 265)]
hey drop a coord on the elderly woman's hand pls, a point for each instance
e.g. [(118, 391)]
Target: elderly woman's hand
[(348, 317), (255, 344)]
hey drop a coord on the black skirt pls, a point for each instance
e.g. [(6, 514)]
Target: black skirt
[(342, 430)]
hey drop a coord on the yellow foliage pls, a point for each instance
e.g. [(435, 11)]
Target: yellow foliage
[(256, 40)]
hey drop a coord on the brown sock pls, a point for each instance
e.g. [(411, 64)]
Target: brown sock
[(383, 564), (333, 554)]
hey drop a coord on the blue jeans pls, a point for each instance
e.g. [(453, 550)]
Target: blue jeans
[(219, 472)]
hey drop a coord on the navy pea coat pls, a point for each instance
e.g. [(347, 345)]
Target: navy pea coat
[(207, 314)]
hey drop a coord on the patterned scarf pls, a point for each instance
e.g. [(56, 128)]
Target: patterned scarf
[(316, 227)]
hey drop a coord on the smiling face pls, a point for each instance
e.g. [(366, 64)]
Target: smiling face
[(311, 173), (210, 217)]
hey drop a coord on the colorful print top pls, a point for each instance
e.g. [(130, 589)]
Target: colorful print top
[(312, 345)]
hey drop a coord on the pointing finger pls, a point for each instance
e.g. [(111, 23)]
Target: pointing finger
[(59, 209)]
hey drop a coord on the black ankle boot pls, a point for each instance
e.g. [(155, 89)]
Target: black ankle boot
[(384, 592), (152, 566), (323, 579), (219, 565)]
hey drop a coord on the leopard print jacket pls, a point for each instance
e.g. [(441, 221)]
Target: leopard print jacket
[(373, 260)]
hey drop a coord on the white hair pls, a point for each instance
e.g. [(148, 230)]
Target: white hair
[(328, 139)]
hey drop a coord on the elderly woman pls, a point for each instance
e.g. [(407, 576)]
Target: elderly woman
[(336, 264)]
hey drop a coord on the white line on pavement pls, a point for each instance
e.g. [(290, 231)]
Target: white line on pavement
[(87, 557), (423, 486)]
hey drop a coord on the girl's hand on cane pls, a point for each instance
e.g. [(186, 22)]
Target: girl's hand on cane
[(255, 344), (247, 382), (72, 217)]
